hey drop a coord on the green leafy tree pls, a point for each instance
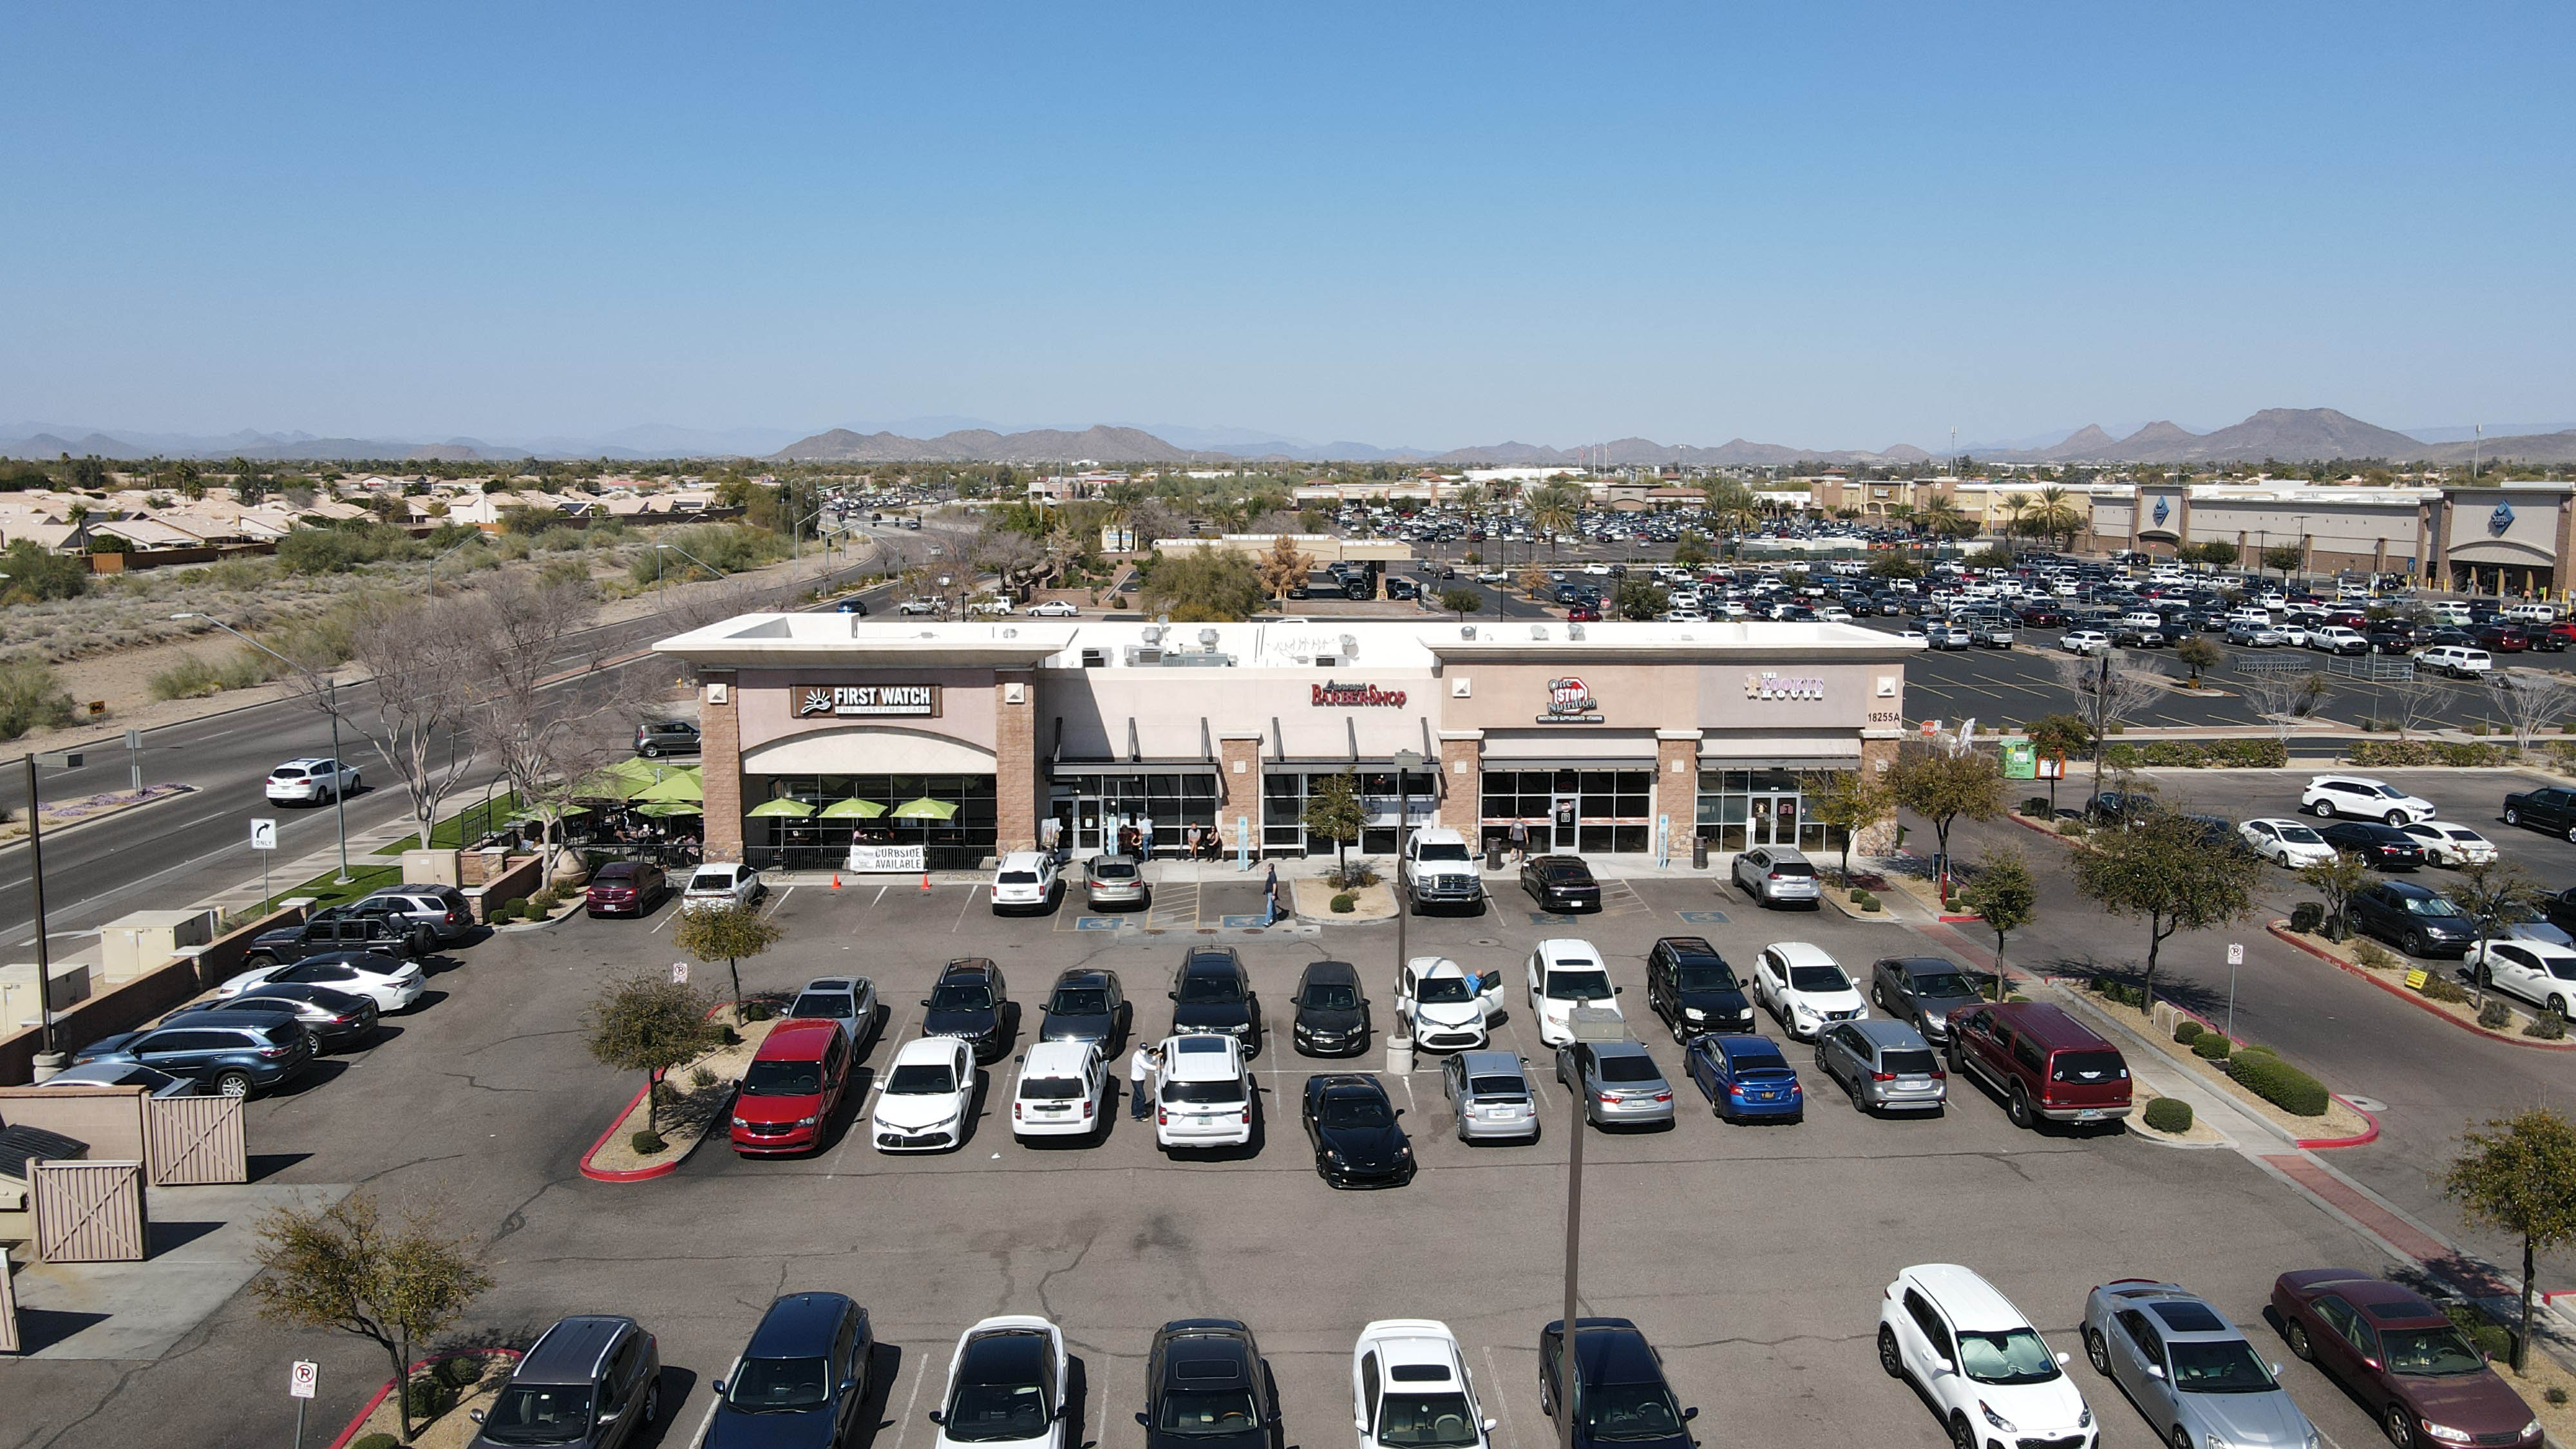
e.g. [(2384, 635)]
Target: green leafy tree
[(2337, 881), (1204, 586), (2285, 557), (1852, 801), (345, 1267), (1643, 599), (2200, 656), (1690, 550), (1943, 787), (1335, 811), (2518, 1175), (2006, 895), (1460, 600), (2162, 869), (649, 1024), (726, 933), (36, 572)]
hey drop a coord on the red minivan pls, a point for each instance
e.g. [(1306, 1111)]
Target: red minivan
[(2045, 1062), (793, 1087)]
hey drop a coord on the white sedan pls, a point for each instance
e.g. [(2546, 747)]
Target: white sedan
[(721, 885), (928, 1091), (2448, 844), (917, 606), (2288, 842), (1805, 988), (1409, 1387), (1007, 1384), (393, 985), (1055, 609), (2536, 971)]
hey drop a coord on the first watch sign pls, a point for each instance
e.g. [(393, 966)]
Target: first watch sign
[(863, 699)]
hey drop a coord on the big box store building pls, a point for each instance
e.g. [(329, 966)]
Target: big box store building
[(960, 741)]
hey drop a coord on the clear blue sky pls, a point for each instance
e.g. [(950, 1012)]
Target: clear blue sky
[(1815, 224)]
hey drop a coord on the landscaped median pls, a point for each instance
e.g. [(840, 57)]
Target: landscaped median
[(651, 1139), (2254, 1077), (2436, 990), (445, 1391)]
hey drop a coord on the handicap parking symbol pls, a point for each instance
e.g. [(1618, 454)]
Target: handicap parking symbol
[(1095, 923), (1547, 918), (1703, 918), (1242, 923)]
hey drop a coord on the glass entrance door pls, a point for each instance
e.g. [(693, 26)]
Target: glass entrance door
[(1772, 820), (1566, 816)]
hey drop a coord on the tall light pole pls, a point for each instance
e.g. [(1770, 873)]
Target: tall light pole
[(1405, 762), (693, 558), (331, 707), (61, 760)]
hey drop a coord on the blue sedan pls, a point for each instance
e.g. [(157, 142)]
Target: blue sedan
[(1746, 1077)]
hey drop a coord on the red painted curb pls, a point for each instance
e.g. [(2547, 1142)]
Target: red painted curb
[(610, 1174), (1959, 920), (2367, 1137), (2281, 929), (351, 1432)]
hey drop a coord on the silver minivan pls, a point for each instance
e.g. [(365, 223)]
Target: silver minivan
[(1885, 1066), (1490, 1093)]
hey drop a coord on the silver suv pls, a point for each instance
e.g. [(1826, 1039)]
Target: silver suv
[(1885, 1066), (441, 910), (1775, 873), (595, 1382)]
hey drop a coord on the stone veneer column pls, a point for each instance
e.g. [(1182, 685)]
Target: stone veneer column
[(1238, 789), (1016, 792), (1877, 757), (1677, 786), (720, 766), (1462, 782)]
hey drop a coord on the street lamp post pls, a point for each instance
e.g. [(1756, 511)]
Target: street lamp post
[(475, 537), (1405, 762), (331, 707), (693, 558), (51, 1061)]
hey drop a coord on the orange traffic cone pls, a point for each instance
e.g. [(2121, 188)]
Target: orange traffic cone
[(836, 880), (925, 880)]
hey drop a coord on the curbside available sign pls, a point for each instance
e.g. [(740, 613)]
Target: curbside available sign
[(864, 699)]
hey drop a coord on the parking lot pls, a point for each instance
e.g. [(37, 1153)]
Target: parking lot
[(1754, 1256)]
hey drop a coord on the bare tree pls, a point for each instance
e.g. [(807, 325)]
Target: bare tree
[(2281, 699), (2530, 700), (423, 676), (2418, 701), (2108, 691), (694, 606), (545, 733)]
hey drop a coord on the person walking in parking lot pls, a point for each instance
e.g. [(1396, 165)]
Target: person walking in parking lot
[(1520, 841), (1140, 1073), (1145, 838), (1270, 894)]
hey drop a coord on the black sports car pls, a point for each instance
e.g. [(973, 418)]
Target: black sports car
[(1352, 1125)]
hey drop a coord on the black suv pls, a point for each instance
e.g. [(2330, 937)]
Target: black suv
[(1921, 991), (970, 1000), (336, 928), (1692, 988), (595, 1382), (1620, 1396), (2552, 809), (2417, 920), (1352, 1127), (1332, 1011), (800, 1380), (1207, 1387), (1211, 992)]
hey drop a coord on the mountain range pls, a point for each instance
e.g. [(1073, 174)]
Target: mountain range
[(2284, 434)]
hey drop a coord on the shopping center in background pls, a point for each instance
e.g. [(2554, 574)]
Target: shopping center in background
[(1603, 739)]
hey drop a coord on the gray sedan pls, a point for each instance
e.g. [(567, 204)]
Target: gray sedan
[(2188, 1369), (1490, 1094), (1886, 1066), (1620, 1083)]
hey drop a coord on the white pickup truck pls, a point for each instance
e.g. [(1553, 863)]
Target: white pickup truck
[(1439, 870)]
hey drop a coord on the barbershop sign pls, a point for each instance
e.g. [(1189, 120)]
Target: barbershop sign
[(864, 699), (1767, 685), (1329, 695)]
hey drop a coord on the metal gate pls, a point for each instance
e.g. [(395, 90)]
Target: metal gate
[(2376, 668), (87, 1212), (8, 1309), (193, 1140)]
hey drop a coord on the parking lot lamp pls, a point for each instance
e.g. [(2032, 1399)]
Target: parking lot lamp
[(331, 707), (51, 1060), (1405, 762)]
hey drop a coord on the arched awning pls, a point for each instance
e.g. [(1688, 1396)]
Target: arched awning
[(868, 750)]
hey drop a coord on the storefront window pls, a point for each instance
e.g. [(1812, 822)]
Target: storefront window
[(1092, 809), (814, 843), (1739, 809), (1283, 809), (1590, 812)]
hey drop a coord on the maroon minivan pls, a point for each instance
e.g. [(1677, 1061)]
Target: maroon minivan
[(2043, 1061)]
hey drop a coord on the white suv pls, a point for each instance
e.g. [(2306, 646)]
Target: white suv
[(1409, 1386), (1202, 1094), (1805, 988), (2362, 798), (1025, 881), (1988, 1373), (1565, 973), (1443, 1011), (1062, 1091), (2456, 660), (2084, 641), (311, 782)]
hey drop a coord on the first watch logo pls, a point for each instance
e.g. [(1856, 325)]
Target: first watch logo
[(1569, 701), (850, 699), (1356, 696)]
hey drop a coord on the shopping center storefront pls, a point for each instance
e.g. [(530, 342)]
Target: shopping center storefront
[(836, 741)]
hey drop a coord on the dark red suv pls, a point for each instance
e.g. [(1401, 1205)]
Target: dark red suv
[(2044, 1062), (625, 888)]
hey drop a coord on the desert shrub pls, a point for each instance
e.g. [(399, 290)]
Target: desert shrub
[(190, 678), (31, 695), (429, 1398), (500, 915), (2186, 1030), (2491, 1339), (2307, 916), (2279, 1083), (544, 901), (375, 1441), (2495, 1016), (2373, 955), (2121, 756), (700, 1078), (2114, 989), (2201, 754), (36, 572), (463, 1371), (2036, 807), (755, 1011), (2211, 1046), (517, 906), (1351, 877), (1344, 903), (647, 1142), (2074, 828), (2556, 1396), (2169, 1114), (1868, 901), (2547, 1026), (2438, 987), (2422, 752)]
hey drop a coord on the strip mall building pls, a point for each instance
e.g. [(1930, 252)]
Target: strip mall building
[(1603, 738)]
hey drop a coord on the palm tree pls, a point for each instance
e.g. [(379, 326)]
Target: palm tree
[(1732, 507), (1553, 509), (2016, 507), (2058, 513)]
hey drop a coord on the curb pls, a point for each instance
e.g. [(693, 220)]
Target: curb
[(183, 791), (351, 1432), (2281, 930), (640, 1174), (2365, 1138)]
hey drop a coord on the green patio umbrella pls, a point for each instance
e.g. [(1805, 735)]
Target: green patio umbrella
[(853, 809), (665, 809), (926, 808), (621, 781), (550, 814), (779, 809), (679, 787)]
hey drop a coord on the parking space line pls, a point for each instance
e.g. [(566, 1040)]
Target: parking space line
[(903, 1425), (960, 923), (781, 901), (1494, 1376)]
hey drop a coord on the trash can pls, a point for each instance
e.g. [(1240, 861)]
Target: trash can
[(1699, 852), (1494, 854), (1399, 1055)]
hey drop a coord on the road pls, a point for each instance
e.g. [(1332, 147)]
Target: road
[(186, 848)]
